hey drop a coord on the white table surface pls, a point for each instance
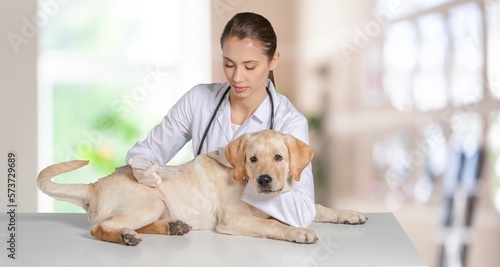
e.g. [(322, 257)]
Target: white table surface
[(61, 239)]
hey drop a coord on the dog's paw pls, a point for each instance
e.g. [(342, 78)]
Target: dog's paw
[(301, 235), (131, 238), (350, 217), (179, 228)]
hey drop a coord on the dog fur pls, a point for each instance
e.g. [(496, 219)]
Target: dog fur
[(203, 195)]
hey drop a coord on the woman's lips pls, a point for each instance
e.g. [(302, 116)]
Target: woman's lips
[(239, 89)]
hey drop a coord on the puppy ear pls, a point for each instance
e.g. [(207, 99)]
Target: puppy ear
[(236, 157), (300, 155)]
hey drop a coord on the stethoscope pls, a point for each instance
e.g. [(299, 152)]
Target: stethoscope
[(271, 126)]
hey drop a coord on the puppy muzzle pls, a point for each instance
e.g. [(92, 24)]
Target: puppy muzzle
[(265, 184)]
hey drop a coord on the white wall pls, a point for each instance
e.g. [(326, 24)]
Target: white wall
[(18, 100)]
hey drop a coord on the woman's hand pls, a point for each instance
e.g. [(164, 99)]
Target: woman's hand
[(145, 171)]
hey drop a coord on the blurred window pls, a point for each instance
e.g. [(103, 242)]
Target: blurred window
[(466, 38), (400, 58), (412, 6), (108, 72), (434, 57), (430, 84), (439, 62)]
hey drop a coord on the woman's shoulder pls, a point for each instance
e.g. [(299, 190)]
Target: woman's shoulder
[(289, 116), (204, 93), (285, 106), (207, 89)]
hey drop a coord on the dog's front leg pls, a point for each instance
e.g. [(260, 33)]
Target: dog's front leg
[(247, 225), (324, 214)]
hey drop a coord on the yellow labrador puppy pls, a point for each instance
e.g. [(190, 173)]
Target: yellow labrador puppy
[(201, 194)]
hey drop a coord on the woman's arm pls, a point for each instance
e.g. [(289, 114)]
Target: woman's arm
[(167, 138)]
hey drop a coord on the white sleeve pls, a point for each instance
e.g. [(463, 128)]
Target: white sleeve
[(168, 137), (296, 207)]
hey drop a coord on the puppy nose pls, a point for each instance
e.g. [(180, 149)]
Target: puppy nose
[(264, 180)]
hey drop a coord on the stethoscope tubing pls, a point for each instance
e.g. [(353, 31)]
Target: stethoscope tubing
[(271, 126)]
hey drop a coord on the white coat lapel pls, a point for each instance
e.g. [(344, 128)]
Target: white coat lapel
[(224, 120)]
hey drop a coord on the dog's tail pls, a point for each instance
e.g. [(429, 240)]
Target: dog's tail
[(78, 194)]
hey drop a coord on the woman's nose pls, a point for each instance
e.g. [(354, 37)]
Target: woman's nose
[(238, 75)]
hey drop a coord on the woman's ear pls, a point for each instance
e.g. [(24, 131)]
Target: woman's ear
[(300, 155), (236, 156), (274, 61)]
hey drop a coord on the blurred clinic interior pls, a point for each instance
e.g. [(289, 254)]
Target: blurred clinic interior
[(402, 98)]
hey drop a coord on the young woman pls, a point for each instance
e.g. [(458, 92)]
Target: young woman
[(211, 115)]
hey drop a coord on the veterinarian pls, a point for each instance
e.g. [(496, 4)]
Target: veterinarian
[(212, 115)]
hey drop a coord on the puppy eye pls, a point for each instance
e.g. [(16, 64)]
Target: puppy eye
[(278, 157), (253, 159)]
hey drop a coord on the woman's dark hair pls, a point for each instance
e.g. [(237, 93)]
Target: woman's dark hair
[(253, 26)]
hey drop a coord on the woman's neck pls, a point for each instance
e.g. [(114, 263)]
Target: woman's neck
[(243, 108)]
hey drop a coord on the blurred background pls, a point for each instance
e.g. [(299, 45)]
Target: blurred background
[(402, 98)]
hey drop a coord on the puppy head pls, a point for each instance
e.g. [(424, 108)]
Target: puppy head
[(269, 159)]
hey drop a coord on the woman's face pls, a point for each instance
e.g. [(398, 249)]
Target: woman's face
[(246, 66)]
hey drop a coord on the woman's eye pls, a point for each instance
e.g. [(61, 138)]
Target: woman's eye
[(229, 66), (278, 157), (253, 159), (250, 68)]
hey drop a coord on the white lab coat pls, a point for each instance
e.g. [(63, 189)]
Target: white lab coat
[(188, 120)]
